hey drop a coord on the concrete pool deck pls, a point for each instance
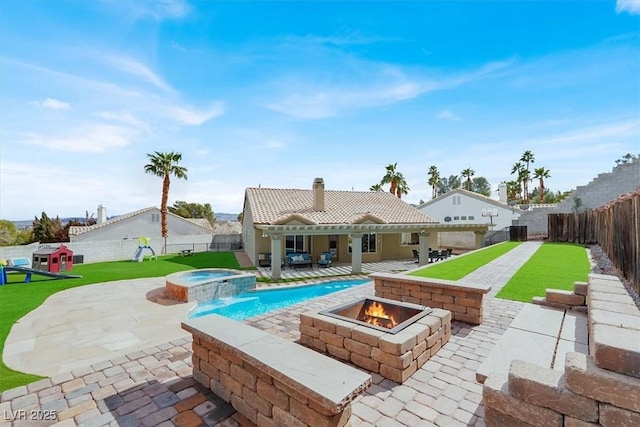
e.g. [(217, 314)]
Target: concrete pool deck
[(143, 375)]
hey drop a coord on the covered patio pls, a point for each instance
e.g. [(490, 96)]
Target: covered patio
[(427, 238)]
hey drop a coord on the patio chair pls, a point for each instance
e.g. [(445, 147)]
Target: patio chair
[(416, 255), (324, 260)]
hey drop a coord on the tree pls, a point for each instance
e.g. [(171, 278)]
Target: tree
[(434, 180), (397, 184), (8, 233), (518, 169), (541, 173), (193, 210), (527, 158), (480, 185), (627, 158), (513, 187), (46, 230), (448, 184), (376, 187), (468, 173), (165, 165)]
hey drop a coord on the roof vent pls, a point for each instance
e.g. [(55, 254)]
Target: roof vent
[(318, 194)]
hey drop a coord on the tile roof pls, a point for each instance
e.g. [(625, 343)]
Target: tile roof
[(276, 205)]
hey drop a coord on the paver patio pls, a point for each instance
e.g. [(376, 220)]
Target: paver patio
[(152, 385)]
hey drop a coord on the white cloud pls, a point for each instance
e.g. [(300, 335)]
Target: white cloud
[(386, 85), (125, 118), (630, 6), (137, 69), (158, 10), (89, 138), (447, 115), (191, 116), (52, 104)]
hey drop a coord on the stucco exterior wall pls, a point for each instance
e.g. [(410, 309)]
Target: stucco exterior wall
[(461, 205)]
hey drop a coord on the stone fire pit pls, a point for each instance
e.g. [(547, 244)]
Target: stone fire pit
[(395, 352)]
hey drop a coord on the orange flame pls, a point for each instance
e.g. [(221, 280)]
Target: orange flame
[(375, 312)]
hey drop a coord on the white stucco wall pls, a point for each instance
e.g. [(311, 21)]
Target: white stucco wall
[(461, 205), (248, 234)]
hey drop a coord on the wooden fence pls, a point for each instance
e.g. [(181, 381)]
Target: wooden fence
[(615, 227)]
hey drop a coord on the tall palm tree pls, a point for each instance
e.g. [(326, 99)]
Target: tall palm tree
[(468, 173), (397, 184), (517, 169), (376, 187), (513, 188), (527, 158), (434, 180), (541, 173), (165, 165)]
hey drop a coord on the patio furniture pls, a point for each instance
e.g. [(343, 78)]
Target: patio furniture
[(300, 259), (416, 255), (324, 260)]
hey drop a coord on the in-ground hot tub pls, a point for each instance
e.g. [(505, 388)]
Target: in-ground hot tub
[(208, 284)]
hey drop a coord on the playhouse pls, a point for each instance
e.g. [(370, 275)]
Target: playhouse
[(53, 260)]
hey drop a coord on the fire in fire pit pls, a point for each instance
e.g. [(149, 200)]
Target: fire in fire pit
[(378, 313)]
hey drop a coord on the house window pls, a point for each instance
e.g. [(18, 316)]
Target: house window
[(456, 200), (471, 217), (293, 244), (368, 243), (409, 239), (155, 217), (463, 218), (456, 218)]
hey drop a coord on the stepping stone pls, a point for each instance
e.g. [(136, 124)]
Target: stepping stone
[(539, 319)]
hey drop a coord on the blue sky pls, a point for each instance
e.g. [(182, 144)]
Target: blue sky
[(278, 93)]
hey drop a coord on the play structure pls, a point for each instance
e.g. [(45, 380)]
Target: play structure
[(52, 259), (23, 265), (143, 243)]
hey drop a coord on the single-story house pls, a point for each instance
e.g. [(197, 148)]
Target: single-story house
[(355, 226), (141, 223)]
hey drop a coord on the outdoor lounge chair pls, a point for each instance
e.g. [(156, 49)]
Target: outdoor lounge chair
[(324, 260)]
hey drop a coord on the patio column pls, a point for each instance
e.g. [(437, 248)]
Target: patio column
[(423, 247), (479, 238), (276, 257), (356, 253)]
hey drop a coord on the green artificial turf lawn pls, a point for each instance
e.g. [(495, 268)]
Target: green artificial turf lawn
[(554, 265), (458, 267), (18, 298)]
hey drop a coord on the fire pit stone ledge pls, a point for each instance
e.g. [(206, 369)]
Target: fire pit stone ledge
[(394, 356)]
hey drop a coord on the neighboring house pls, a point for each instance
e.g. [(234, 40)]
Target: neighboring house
[(356, 226), (461, 206), (142, 223)]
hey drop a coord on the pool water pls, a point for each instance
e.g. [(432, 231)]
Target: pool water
[(197, 276), (254, 303)]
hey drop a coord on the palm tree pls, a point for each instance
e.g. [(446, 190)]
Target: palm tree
[(468, 173), (528, 158), (398, 185), (165, 165), (541, 173), (517, 168), (376, 187), (434, 180), (513, 187)]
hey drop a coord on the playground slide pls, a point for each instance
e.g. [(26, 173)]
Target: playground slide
[(30, 271), (138, 255)]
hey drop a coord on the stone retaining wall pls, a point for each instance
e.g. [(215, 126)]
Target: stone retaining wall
[(602, 388), (465, 302), (270, 380)]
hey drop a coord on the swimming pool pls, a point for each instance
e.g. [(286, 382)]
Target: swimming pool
[(251, 304)]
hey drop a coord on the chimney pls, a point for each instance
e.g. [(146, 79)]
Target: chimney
[(318, 194), (102, 215), (502, 192)]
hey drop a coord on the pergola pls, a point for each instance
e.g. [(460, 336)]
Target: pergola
[(427, 233)]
